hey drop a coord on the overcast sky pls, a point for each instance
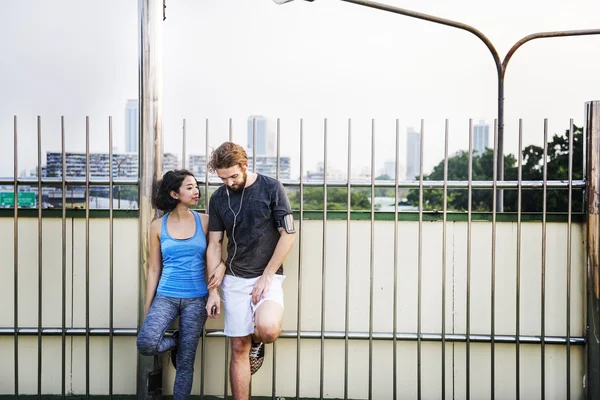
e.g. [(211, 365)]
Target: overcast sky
[(327, 59)]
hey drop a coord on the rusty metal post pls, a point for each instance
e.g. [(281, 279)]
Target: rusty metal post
[(150, 161), (592, 135)]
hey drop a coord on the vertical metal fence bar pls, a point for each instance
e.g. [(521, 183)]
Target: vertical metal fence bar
[(420, 266), (348, 215), (203, 346), (226, 345), (87, 257), (300, 243), (518, 273), (253, 144), (584, 165), (277, 173), (493, 278), (183, 145), (569, 243), (16, 254), (202, 361), (543, 311), (469, 249), (395, 307), (253, 170), (64, 257), (372, 259), (592, 136), (207, 196), (324, 262), (40, 256), (444, 233), (111, 258)]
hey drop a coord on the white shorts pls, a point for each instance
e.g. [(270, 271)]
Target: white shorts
[(237, 299)]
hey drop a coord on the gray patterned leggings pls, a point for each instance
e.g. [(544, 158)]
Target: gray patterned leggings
[(151, 340)]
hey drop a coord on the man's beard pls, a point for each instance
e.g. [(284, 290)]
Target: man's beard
[(241, 186)]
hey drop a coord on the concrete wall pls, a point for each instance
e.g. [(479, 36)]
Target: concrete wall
[(125, 311)]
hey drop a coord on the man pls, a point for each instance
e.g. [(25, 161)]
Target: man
[(255, 212)]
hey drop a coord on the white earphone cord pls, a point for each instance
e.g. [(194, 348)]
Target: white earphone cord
[(234, 223)]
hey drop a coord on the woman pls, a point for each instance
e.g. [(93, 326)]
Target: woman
[(178, 241)]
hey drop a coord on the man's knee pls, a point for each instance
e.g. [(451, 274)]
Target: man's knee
[(269, 331), (146, 346), (240, 345)]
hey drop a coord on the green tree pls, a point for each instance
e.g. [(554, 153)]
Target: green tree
[(337, 199), (532, 170), (384, 192)]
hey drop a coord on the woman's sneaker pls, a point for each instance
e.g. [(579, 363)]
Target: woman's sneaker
[(174, 350), (257, 356)]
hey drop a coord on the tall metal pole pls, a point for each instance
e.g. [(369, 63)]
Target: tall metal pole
[(150, 165), (592, 137)]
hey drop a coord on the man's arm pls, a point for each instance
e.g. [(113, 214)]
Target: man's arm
[(215, 267), (284, 245)]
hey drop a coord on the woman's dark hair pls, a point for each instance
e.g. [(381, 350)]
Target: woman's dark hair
[(171, 180)]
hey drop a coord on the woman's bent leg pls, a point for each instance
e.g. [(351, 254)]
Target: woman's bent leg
[(162, 313), (192, 319)]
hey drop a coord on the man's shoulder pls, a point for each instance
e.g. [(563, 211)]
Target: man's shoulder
[(269, 181)]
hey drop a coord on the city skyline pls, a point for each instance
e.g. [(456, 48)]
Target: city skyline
[(310, 69)]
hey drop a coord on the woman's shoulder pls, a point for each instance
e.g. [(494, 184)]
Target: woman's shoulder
[(203, 219), (156, 225), (202, 216)]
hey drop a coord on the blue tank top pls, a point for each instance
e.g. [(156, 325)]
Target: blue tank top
[(184, 263)]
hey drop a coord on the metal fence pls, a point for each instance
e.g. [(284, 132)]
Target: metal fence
[(308, 252)]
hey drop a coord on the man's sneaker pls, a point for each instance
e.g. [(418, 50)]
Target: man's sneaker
[(257, 356), (174, 350)]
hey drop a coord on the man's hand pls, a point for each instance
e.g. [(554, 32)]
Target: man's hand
[(262, 285), (215, 279), (213, 301)]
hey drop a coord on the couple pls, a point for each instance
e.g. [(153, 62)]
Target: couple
[(255, 212)]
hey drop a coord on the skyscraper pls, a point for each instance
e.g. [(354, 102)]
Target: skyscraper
[(132, 122), (413, 154), (481, 134), (265, 143)]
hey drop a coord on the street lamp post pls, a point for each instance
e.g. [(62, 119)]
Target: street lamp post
[(500, 65)]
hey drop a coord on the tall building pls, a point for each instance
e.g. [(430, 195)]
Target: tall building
[(125, 165), (265, 140), (413, 154), (132, 123), (481, 135)]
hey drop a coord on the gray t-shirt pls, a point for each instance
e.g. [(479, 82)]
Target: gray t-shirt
[(252, 243)]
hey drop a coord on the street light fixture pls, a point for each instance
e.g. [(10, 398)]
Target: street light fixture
[(501, 65), (287, 1)]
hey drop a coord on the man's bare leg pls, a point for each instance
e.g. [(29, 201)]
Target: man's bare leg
[(239, 368), (267, 321)]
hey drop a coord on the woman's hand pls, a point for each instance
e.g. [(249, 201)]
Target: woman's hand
[(215, 279), (214, 301)]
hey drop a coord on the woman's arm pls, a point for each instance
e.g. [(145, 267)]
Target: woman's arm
[(215, 269), (154, 265)]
